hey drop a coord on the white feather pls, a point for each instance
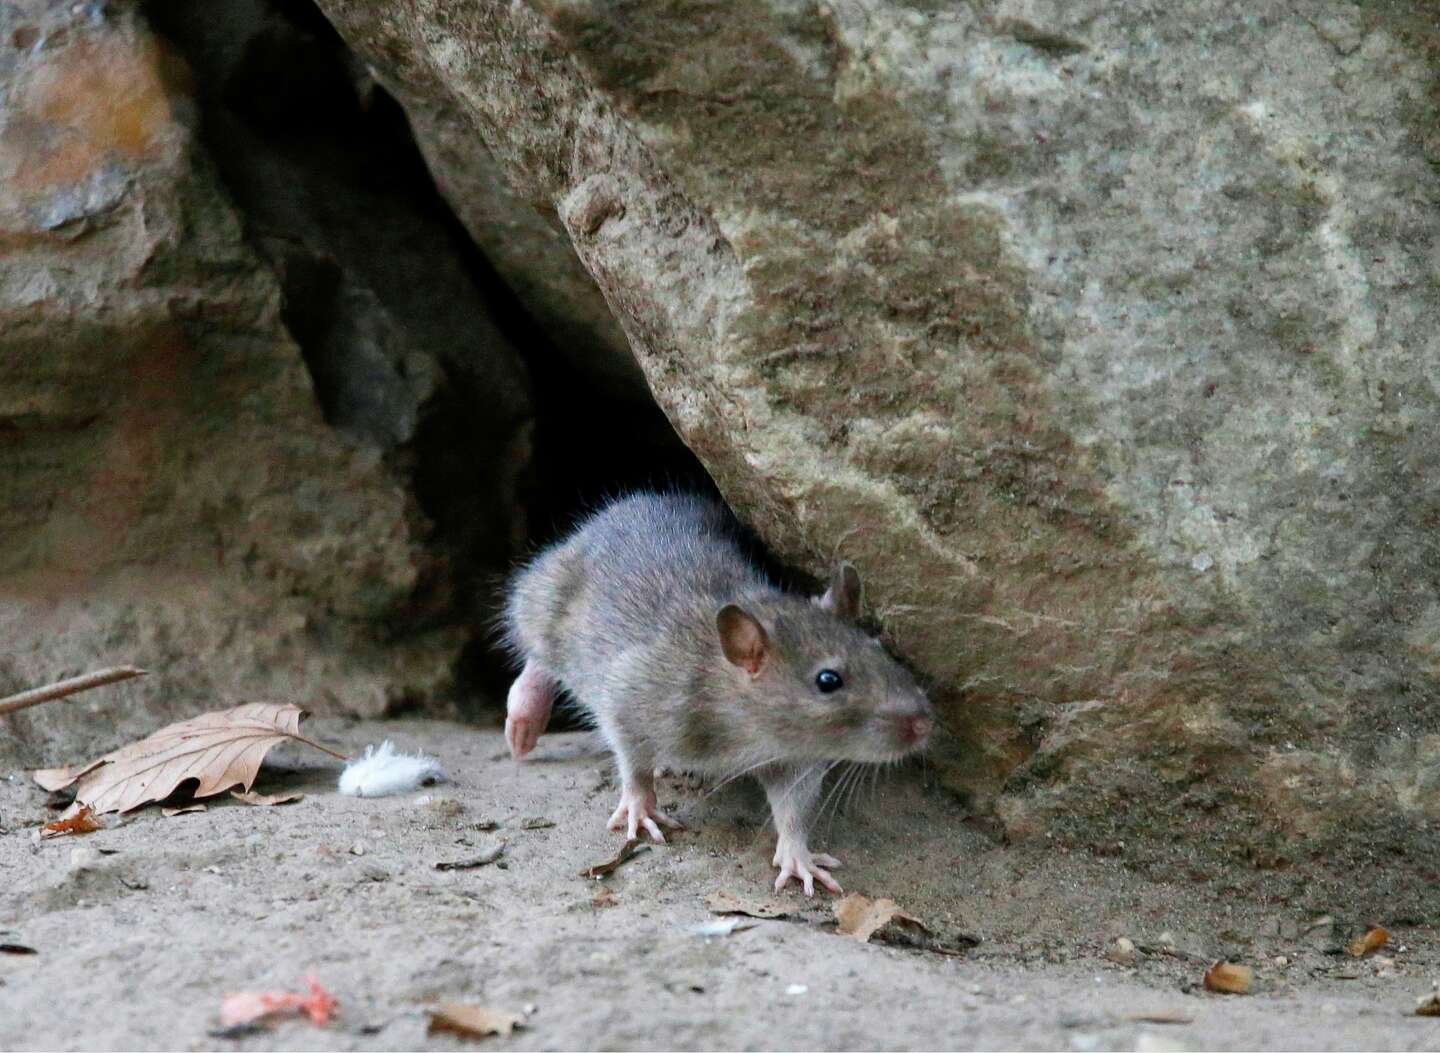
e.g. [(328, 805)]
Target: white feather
[(382, 772)]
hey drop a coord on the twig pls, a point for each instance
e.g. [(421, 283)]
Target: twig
[(73, 686)]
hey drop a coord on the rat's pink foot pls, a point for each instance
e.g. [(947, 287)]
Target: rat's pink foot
[(638, 809), (527, 709), (795, 861)]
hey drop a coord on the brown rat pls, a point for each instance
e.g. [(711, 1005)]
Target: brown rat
[(683, 654)]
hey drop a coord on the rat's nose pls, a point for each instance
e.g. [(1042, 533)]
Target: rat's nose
[(916, 728)]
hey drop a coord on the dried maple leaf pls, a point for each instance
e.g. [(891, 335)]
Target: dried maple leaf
[(80, 820), (248, 1007), (473, 1021), (266, 800), (216, 750)]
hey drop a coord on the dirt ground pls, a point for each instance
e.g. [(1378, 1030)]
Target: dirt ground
[(141, 928)]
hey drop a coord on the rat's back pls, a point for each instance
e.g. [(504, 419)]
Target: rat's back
[(622, 578)]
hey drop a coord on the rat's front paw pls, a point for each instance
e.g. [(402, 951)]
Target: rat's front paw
[(797, 862), (638, 809)]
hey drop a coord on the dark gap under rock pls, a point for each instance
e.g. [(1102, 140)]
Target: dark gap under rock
[(415, 346)]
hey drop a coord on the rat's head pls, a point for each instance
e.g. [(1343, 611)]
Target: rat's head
[(819, 686)]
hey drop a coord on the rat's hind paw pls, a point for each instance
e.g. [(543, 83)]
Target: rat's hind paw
[(637, 809), (805, 868), (521, 735)]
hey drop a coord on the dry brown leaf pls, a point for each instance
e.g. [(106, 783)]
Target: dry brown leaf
[(473, 1021), (217, 750), (79, 820), (1228, 978), (1371, 942), (184, 809), (605, 897), (628, 850), (266, 800), (53, 779), (861, 917), (723, 902)]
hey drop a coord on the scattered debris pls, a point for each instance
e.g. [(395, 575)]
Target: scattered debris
[(1429, 1005), (252, 1007), (1123, 951), (236, 1031), (629, 850), (1371, 942), (217, 751), (539, 822), (485, 826), (1228, 978), (65, 688), (1159, 1016), (182, 810), (864, 919), (604, 897), (728, 903), (473, 1021), (383, 772), (82, 821), (266, 800), (485, 858), (720, 926), (16, 948)]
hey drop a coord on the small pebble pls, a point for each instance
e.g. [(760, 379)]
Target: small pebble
[(358, 848), (83, 857), (796, 989)]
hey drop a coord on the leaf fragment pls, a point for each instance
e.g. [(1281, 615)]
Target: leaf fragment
[(1229, 978), (266, 800), (216, 751), (54, 779), (473, 1021), (252, 1007), (80, 819), (184, 809), (861, 917), (16, 948), (1375, 938), (629, 850), (724, 902), (485, 858), (538, 822)]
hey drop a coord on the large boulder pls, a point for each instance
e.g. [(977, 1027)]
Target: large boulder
[(170, 492), (1101, 336)]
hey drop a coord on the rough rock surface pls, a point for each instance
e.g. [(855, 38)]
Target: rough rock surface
[(169, 492), (1101, 336)]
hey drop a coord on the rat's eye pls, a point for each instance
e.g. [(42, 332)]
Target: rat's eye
[(827, 680)]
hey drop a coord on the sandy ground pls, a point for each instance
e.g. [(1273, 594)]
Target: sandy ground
[(141, 928)]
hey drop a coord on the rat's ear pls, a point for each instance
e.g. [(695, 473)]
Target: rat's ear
[(842, 598), (742, 638)]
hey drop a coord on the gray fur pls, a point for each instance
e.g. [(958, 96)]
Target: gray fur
[(623, 612)]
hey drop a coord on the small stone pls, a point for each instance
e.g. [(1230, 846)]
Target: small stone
[(1123, 951), (796, 989), (358, 848), (374, 872)]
